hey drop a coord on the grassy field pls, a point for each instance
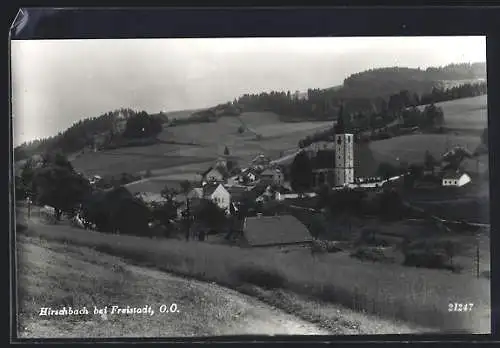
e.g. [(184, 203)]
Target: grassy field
[(467, 117), (212, 137), (54, 275), (419, 296), (466, 113), (462, 114), (411, 148), (46, 276), (424, 231)]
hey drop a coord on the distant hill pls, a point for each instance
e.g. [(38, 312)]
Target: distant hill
[(383, 82), (362, 92)]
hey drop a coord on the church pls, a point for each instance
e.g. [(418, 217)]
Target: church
[(342, 172)]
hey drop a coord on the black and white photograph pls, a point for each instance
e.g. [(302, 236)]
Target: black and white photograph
[(214, 187)]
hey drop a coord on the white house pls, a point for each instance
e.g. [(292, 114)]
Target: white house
[(455, 179), (95, 179), (247, 175), (217, 193)]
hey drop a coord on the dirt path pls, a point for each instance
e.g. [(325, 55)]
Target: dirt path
[(56, 275)]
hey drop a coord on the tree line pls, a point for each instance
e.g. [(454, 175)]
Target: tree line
[(366, 113), (323, 104), (83, 133), (53, 181), (376, 91)]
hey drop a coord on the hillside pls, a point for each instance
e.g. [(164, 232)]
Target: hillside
[(47, 276), (362, 92), (465, 114), (386, 81), (465, 117), (395, 307), (209, 141)]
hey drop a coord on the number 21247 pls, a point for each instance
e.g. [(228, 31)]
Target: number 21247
[(460, 307)]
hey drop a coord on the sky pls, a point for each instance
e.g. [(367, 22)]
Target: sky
[(58, 82)]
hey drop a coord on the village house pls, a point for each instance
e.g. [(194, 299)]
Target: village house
[(213, 174), (455, 179), (95, 179), (215, 192), (433, 171), (237, 192), (247, 176), (272, 176), (261, 160)]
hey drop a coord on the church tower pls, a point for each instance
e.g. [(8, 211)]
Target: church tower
[(344, 153)]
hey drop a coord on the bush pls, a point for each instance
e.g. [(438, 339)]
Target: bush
[(426, 258), (369, 237), (371, 254), (20, 227), (258, 275), (324, 246)]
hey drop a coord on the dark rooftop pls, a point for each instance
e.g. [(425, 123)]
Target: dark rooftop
[(268, 230), (208, 189), (236, 192)]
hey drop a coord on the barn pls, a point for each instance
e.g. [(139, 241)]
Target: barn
[(267, 231)]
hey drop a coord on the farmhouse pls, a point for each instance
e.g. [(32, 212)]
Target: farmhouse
[(237, 192), (150, 197), (95, 179), (212, 174), (274, 231), (260, 160), (455, 179), (247, 176), (215, 192), (272, 176)]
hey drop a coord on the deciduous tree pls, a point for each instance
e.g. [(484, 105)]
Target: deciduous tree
[(301, 172)]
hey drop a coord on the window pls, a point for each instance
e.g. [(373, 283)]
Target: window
[(348, 139), (339, 140)]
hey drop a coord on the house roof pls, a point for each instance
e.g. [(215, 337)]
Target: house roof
[(236, 192), (203, 174), (150, 197), (266, 230), (222, 171), (451, 175), (268, 172), (208, 189)]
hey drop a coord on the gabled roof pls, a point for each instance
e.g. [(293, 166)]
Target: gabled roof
[(209, 189), (268, 172), (266, 230), (236, 192), (453, 175), (203, 174), (221, 170)]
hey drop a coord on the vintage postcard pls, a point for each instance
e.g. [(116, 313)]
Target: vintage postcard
[(251, 186)]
